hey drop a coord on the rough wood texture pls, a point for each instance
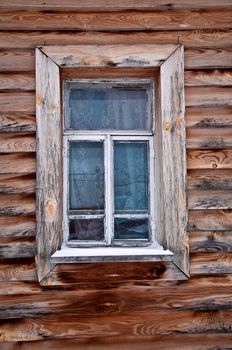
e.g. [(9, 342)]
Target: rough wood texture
[(206, 138), (16, 204), (17, 226), (209, 200), (219, 38), (19, 270), (211, 241), (23, 102), (16, 122), (49, 175), (22, 247), (12, 163), (109, 55), (17, 143), (208, 96), (213, 263), (17, 81), (209, 159), (208, 78), (173, 162), (17, 184), (209, 117), (126, 21), (210, 220), (207, 180)]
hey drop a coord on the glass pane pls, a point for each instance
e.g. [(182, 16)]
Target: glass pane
[(86, 175), (130, 177), (109, 108), (86, 229), (131, 228)]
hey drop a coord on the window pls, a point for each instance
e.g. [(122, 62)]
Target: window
[(111, 172)]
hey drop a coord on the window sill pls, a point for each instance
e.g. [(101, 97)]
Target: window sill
[(110, 254)]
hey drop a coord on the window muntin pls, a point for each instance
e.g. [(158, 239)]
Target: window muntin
[(109, 218)]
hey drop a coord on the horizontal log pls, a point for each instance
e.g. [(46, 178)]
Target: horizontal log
[(17, 102), (210, 220), (19, 247), (17, 226), (114, 302), (15, 204), (17, 143), (17, 184), (157, 342), (209, 159), (22, 270), (208, 96), (211, 241), (116, 21), (208, 117), (206, 180), (16, 60), (140, 324), (110, 5), (208, 78), (16, 122), (209, 200), (220, 38), (18, 163), (213, 138), (17, 81), (210, 263)]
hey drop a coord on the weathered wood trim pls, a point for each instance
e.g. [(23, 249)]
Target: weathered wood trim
[(173, 161), (170, 58), (49, 175)]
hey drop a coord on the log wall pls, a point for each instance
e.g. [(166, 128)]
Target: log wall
[(118, 306)]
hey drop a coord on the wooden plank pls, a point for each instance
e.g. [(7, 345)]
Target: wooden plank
[(209, 200), (212, 138), (206, 180), (49, 172), (211, 241), (210, 220), (16, 122), (142, 324), (208, 58), (117, 21), (208, 78), (210, 263), (19, 247), (17, 226), (172, 212), (114, 302), (208, 96), (103, 5), (15, 204), (20, 270), (114, 55), (16, 60), (24, 81), (157, 342), (219, 38), (17, 143), (12, 163), (23, 102), (209, 159), (17, 184), (208, 117)]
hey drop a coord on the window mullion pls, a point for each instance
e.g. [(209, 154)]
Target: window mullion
[(108, 190)]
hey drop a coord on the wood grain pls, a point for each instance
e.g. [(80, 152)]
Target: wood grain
[(17, 143), (17, 81), (208, 78), (211, 138), (141, 324), (173, 341), (17, 184), (17, 204), (209, 200), (16, 122), (211, 241), (19, 270), (16, 60), (207, 180), (208, 117), (209, 159), (210, 263), (218, 220), (103, 5), (219, 38), (17, 226), (116, 21), (208, 58), (12, 163), (208, 96), (23, 102), (20, 247)]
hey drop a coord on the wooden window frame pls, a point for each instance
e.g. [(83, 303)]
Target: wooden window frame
[(169, 144)]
